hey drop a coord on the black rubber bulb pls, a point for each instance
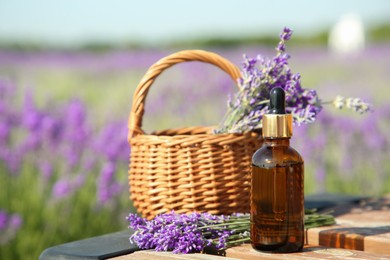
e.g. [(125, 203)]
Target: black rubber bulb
[(277, 101)]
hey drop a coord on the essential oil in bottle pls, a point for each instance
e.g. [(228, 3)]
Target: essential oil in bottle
[(277, 173)]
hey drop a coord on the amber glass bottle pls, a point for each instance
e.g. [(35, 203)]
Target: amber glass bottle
[(277, 198)]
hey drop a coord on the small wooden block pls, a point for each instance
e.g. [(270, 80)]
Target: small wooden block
[(364, 227), (369, 239)]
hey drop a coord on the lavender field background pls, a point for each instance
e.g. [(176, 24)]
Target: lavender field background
[(63, 132)]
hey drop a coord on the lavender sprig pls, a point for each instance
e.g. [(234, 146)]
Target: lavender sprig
[(355, 104), (259, 75), (182, 233), (179, 233)]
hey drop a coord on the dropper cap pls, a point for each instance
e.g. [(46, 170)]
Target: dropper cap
[(277, 124)]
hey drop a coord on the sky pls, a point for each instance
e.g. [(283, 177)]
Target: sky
[(154, 22)]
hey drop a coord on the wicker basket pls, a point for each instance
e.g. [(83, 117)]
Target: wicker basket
[(188, 169)]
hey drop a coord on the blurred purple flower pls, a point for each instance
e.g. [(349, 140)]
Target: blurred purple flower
[(112, 142), (15, 222), (89, 163), (13, 159), (3, 219), (75, 113), (9, 226), (62, 188), (52, 129), (32, 118), (72, 153), (373, 136), (107, 186), (78, 181), (4, 131), (46, 170), (107, 173)]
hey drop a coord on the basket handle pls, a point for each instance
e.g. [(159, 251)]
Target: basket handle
[(137, 110)]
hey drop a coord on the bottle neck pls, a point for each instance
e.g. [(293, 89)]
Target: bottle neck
[(285, 141)]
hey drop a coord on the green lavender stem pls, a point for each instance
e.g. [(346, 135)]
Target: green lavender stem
[(234, 115), (241, 226)]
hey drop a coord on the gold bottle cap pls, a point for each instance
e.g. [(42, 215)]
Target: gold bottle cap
[(277, 125)]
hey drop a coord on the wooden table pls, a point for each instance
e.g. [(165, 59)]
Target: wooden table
[(362, 232)]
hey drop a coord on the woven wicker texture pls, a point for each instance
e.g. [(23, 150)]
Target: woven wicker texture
[(188, 169)]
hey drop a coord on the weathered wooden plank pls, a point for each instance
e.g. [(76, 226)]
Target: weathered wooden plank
[(246, 252), (151, 254)]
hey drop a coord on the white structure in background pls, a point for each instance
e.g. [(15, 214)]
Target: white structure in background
[(347, 36)]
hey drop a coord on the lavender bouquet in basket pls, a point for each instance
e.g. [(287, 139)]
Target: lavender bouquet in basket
[(259, 76)]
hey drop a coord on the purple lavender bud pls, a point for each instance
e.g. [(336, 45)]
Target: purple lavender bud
[(290, 87), (286, 34), (135, 221), (249, 63), (296, 77), (281, 47), (281, 60)]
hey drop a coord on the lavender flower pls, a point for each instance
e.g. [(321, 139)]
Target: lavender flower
[(259, 76)]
